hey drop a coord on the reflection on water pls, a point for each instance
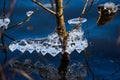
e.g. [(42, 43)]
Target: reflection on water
[(76, 71)]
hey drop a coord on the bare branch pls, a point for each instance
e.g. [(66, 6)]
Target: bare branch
[(83, 11), (81, 15), (91, 3), (47, 9), (87, 64)]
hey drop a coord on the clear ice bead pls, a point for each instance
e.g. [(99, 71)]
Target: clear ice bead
[(4, 22), (29, 13)]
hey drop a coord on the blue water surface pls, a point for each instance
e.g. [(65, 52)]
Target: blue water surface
[(103, 47)]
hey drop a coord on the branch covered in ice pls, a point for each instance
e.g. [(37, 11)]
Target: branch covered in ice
[(76, 41), (77, 21), (52, 44), (4, 22)]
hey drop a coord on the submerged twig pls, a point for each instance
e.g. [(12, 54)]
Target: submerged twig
[(23, 73), (8, 37), (64, 64), (88, 65), (2, 77)]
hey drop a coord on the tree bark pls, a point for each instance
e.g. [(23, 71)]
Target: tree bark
[(60, 18), (61, 30)]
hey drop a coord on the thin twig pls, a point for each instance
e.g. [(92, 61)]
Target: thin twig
[(83, 11), (91, 3), (87, 64), (81, 15), (19, 23), (8, 37), (23, 21), (47, 9)]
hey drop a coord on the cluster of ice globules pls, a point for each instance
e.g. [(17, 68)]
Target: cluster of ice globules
[(112, 7), (49, 45), (76, 41), (52, 44), (4, 22)]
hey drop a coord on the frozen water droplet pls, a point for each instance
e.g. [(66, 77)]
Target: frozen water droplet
[(4, 22), (30, 48), (78, 50), (77, 21), (38, 48), (49, 5), (22, 42), (22, 48), (53, 35), (12, 47), (52, 44), (53, 52), (43, 52), (29, 13), (110, 6)]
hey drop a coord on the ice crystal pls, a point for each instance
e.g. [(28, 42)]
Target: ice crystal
[(4, 22), (77, 21), (110, 7), (52, 44), (29, 13)]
